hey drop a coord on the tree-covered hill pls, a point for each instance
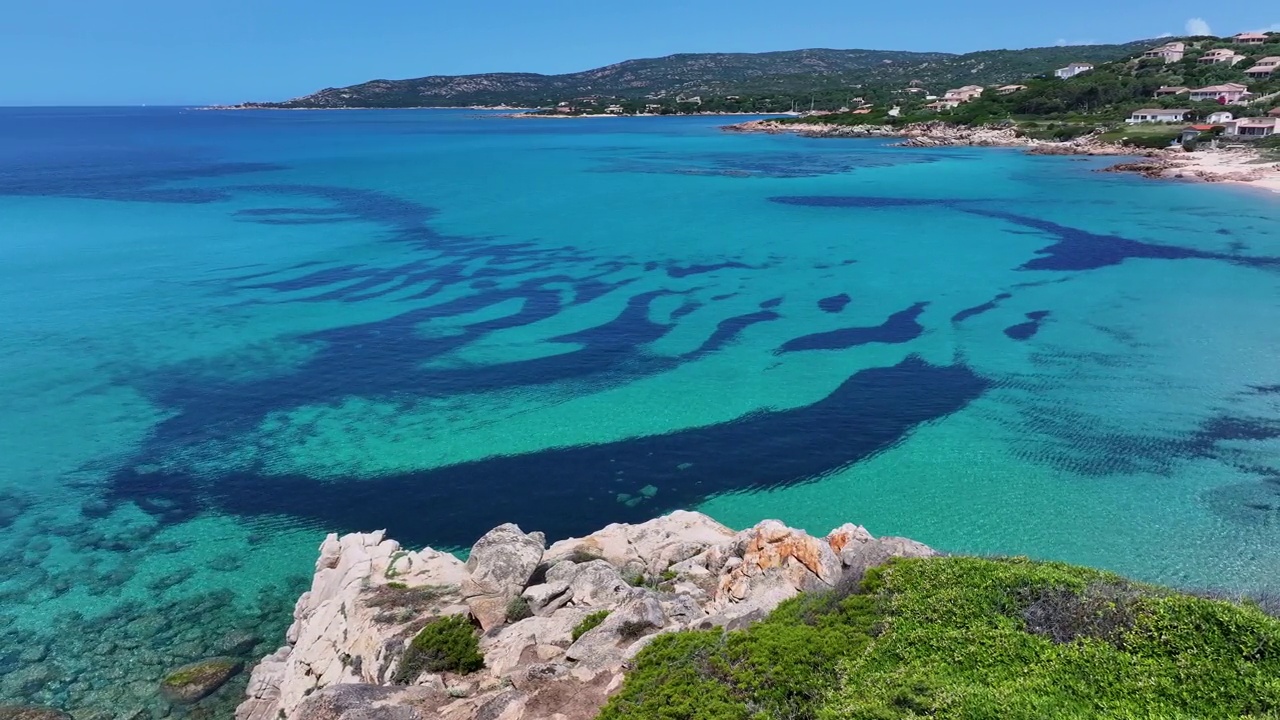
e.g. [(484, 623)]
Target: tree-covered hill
[(794, 73), (1051, 108)]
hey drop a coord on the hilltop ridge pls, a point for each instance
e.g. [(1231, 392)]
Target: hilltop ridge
[(790, 74)]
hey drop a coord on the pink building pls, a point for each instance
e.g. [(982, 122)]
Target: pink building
[(1250, 38), (1221, 55), (1227, 94), (1264, 67), (1169, 52)]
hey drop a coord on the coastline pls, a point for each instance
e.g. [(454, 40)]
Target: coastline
[(415, 107), (1238, 166), (1241, 167), (526, 630)]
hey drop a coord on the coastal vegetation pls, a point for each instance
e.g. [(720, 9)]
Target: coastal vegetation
[(962, 637), (589, 623), (445, 644), (1048, 108)]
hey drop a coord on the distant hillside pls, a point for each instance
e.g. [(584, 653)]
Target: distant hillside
[(793, 72)]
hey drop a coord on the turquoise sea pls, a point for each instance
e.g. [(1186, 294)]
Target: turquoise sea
[(225, 334)]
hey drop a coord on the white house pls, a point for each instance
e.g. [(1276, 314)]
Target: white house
[(1072, 70), (1172, 90), (1169, 52), (1264, 67), (1221, 55), (1227, 93), (1219, 118), (1158, 115)]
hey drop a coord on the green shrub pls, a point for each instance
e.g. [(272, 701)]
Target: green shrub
[(589, 623), (518, 609), (1150, 140), (446, 644), (956, 637)]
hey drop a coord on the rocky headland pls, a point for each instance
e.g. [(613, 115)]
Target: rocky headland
[(559, 625), (928, 134)]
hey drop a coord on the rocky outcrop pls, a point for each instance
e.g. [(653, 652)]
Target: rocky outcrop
[(683, 571), (499, 568), (1247, 166), (926, 134)]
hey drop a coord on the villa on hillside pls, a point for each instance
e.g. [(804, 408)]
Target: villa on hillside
[(1253, 127), (1169, 52), (955, 97), (1007, 89), (1227, 93), (1072, 70), (1250, 38), (1158, 115), (1219, 118), (1275, 112), (1172, 90), (1221, 55), (1264, 67)]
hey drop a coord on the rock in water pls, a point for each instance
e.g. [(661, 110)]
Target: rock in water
[(501, 564), (31, 712), (190, 683), (237, 642)]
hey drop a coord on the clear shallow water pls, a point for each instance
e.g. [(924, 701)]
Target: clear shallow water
[(226, 334)]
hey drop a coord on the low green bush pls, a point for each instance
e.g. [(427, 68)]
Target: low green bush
[(959, 637), (446, 644), (589, 623), (1150, 140), (518, 609)]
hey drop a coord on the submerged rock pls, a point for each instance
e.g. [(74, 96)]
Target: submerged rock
[(190, 683), (31, 712)]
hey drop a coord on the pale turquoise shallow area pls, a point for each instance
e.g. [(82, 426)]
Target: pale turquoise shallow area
[(226, 334)]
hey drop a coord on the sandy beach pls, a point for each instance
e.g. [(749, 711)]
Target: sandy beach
[(1235, 166)]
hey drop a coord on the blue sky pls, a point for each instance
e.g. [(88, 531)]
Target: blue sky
[(127, 52)]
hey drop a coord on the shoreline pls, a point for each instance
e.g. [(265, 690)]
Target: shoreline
[(1237, 167), (415, 107), (1246, 167)]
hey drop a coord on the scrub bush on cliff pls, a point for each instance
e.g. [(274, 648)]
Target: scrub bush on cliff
[(446, 644)]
